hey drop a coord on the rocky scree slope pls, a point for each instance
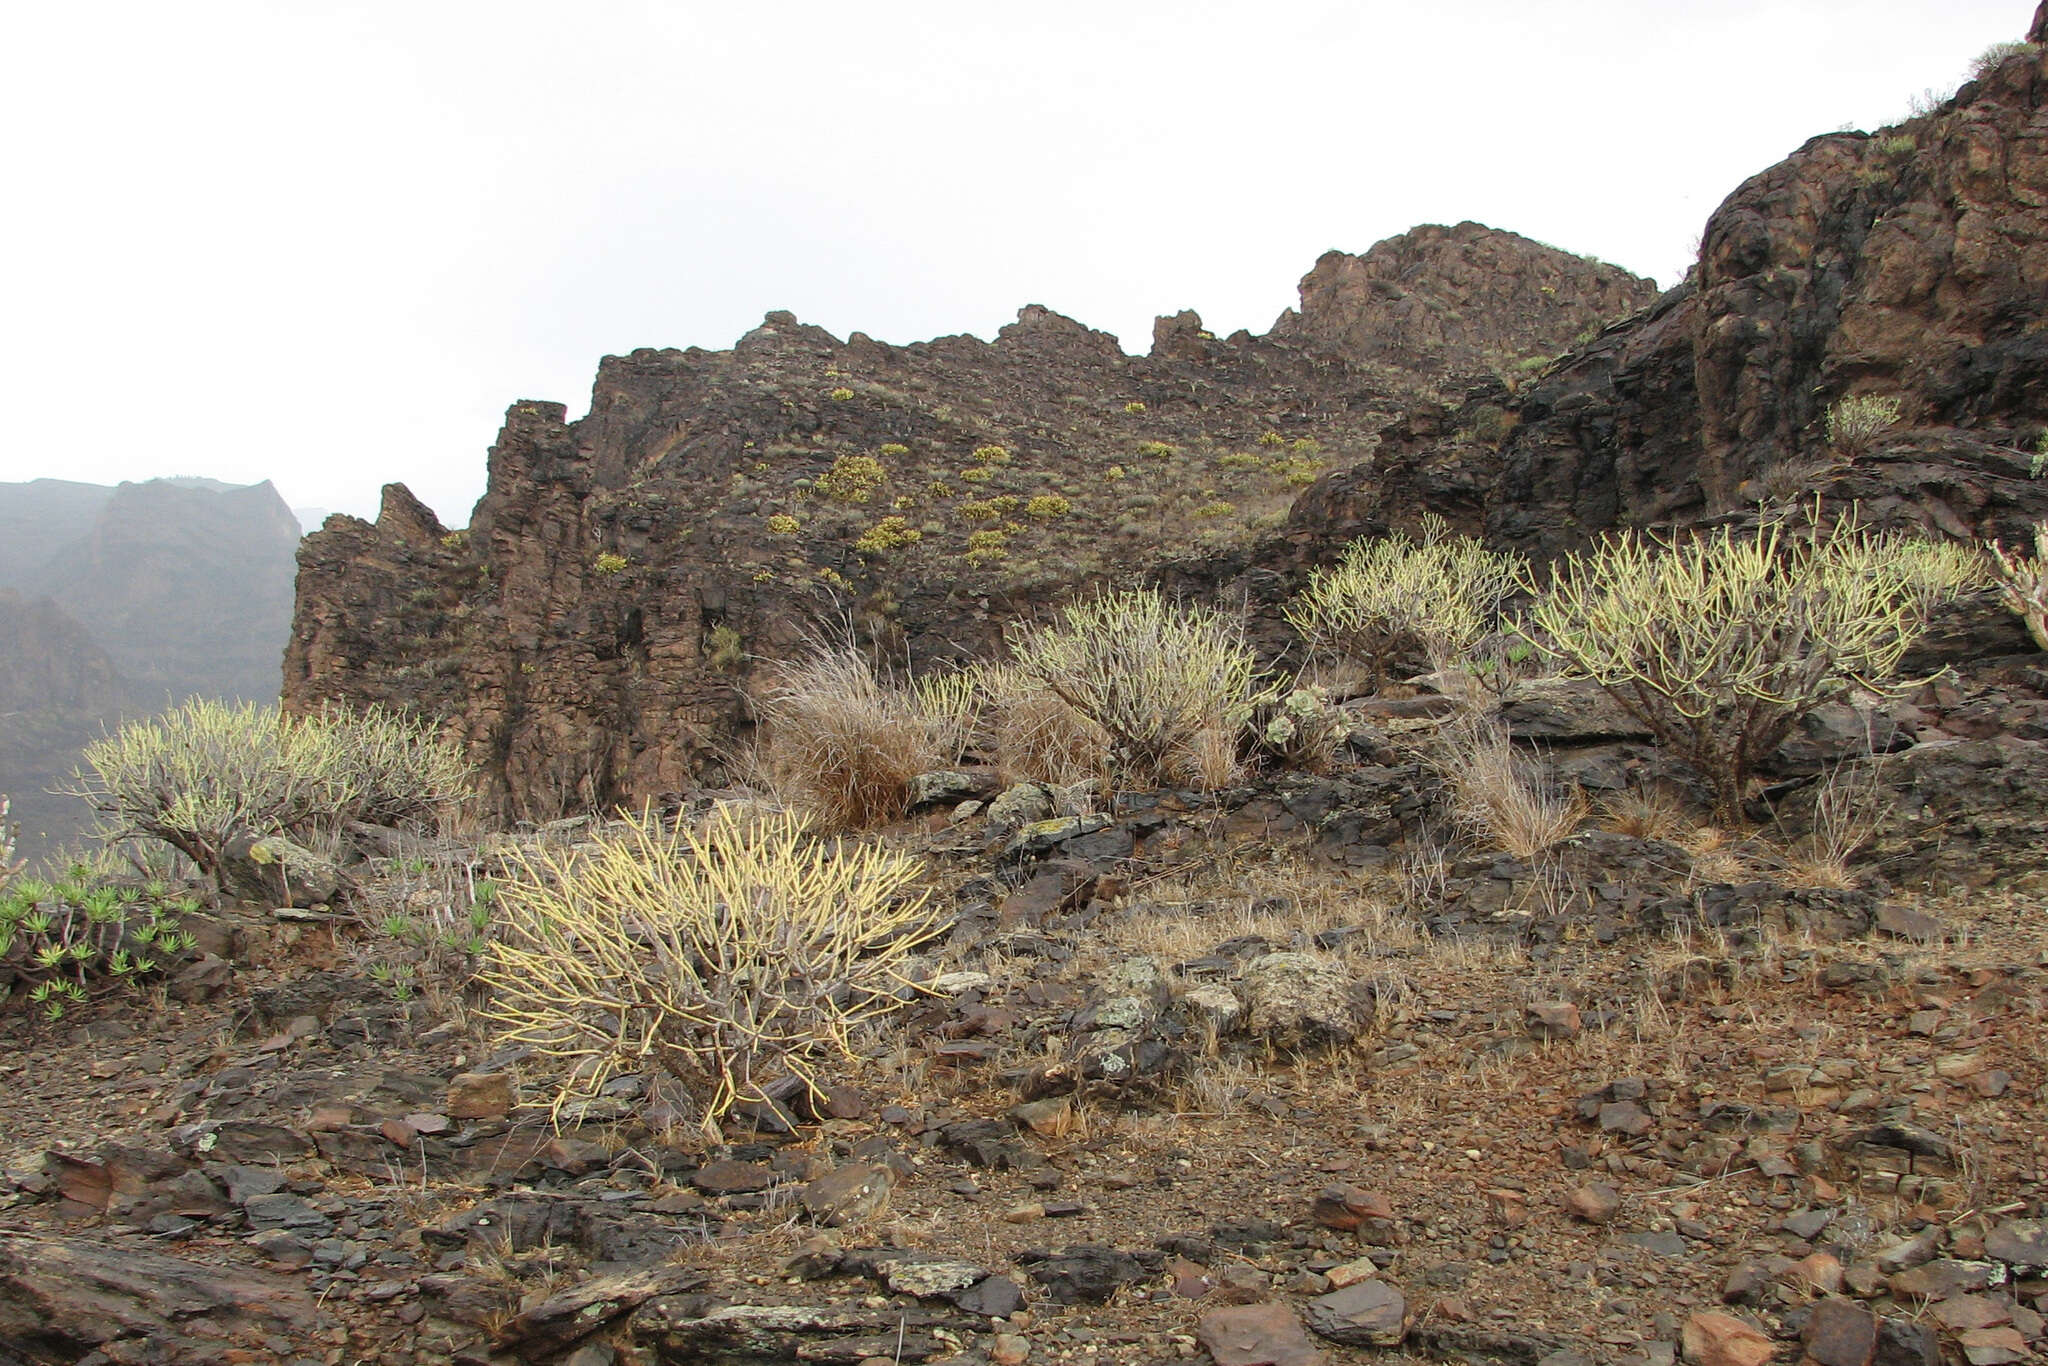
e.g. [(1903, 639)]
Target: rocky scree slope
[(593, 628), (1192, 1074)]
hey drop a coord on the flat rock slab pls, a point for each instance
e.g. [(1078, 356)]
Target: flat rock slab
[(728, 1176), (1089, 1273), (2021, 1242), (995, 1298), (61, 1298), (240, 1140), (921, 1274), (1368, 1314), (1256, 1335), (794, 1332), (1661, 1242), (284, 1210), (1904, 922), (1724, 1340), (1840, 1333), (849, 1194), (480, 1095), (567, 1318)]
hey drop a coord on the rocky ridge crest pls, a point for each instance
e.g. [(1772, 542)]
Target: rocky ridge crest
[(593, 628)]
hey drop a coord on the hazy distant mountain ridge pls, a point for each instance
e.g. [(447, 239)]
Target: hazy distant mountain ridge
[(186, 583), (57, 689), (117, 601), (47, 660), (38, 519)]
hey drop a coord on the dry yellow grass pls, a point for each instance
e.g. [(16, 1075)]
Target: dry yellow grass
[(1503, 798), (1654, 813), (1851, 804), (1039, 737), (841, 744)]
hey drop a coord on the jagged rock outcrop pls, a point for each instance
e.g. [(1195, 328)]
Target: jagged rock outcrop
[(1446, 300), (593, 629), (1911, 264)]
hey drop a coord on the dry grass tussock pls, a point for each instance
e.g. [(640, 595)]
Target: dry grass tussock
[(1851, 805), (1503, 797), (1654, 813), (1285, 899), (842, 742), (1038, 737), (1717, 854)]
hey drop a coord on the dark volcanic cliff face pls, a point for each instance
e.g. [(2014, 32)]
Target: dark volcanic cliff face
[(594, 628), (1912, 263)]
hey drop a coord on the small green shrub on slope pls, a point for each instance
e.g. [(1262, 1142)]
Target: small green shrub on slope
[(206, 772), (1720, 644), (1171, 685), (1441, 595), (728, 957)]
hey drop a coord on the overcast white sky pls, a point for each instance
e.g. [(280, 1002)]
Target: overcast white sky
[(327, 244)]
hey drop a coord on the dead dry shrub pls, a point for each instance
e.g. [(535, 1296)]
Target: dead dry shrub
[(1209, 760), (1426, 868), (729, 957), (841, 742), (1503, 797)]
